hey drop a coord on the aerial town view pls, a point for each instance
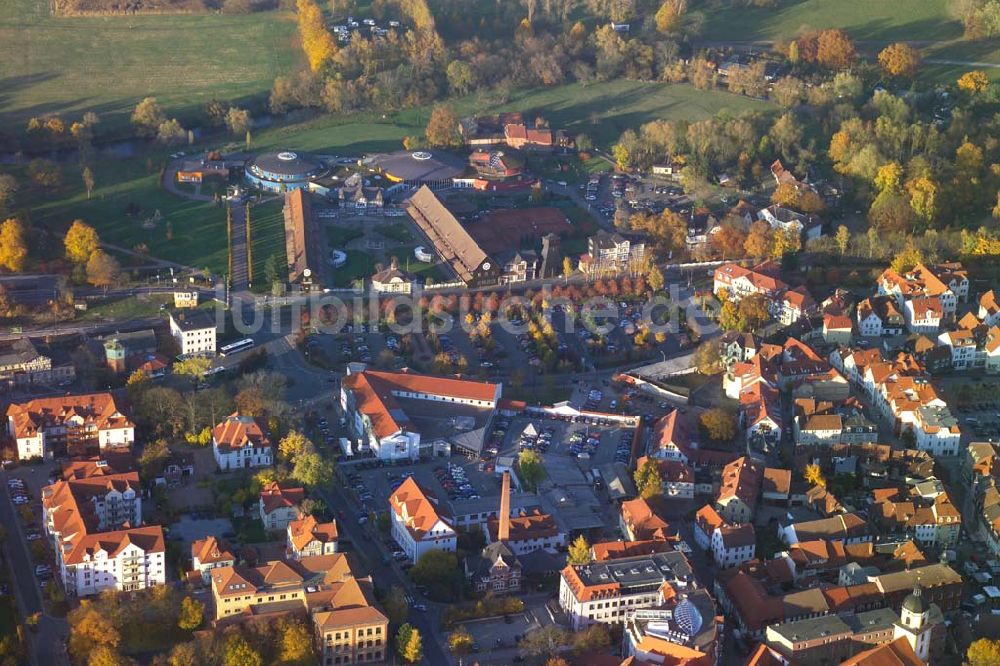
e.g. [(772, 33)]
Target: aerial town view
[(475, 332)]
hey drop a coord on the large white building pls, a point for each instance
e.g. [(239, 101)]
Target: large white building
[(609, 591), (194, 332), (416, 524), (69, 424), (400, 415), (95, 526), (240, 442)]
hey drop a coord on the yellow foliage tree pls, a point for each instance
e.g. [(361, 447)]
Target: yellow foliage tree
[(317, 42), (80, 242), (974, 81), (899, 59), (814, 475), (13, 245)]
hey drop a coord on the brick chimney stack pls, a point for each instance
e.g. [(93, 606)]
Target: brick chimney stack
[(503, 530)]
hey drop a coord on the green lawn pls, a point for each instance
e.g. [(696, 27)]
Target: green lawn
[(126, 308), (185, 231), (73, 64), (341, 236), (601, 110), (399, 232), (359, 265), (985, 51), (869, 20), (267, 223), (420, 269)]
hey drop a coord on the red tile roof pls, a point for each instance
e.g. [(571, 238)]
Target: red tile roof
[(239, 431), (97, 410), (274, 497)]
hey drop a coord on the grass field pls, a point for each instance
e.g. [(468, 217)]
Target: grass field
[(868, 20), (105, 64), (359, 265), (188, 232), (600, 110), (268, 224), (197, 229)]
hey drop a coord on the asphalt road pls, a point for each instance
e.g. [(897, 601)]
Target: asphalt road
[(46, 645), (367, 542)]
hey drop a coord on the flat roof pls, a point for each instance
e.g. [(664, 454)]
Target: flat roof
[(633, 572)]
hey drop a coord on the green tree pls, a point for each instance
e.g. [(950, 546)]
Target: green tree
[(530, 469), (238, 652), (154, 457), (545, 642), (436, 569), (408, 644), (648, 480), (396, 606), (194, 368), (312, 469), (191, 615), (579, 551)]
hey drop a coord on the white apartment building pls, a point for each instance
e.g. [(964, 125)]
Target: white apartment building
[(95, 526), (416, 525), (68, 425), (923, 314), (936, 431), (963, 348), (733, 545), (194, 331), (608, 591)]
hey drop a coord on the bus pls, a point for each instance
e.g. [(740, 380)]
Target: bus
[(236, 347)]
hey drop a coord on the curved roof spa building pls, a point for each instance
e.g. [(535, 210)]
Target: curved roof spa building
[(283, 171), (419, 167)]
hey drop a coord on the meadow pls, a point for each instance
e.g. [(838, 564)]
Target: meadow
[(69, 65)]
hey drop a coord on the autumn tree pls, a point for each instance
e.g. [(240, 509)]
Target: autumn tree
[(442, 128), (317, 42), (460, 641), (105, 655), (545, 642), (102, 269), (814, 475), (88, 180), (409, 644), (89, 628), (192, 614), (718, 424), (45, 173), (648, 480), (843, 239), (312, 469), (293, 444), (983, 652), (595, 639), (81, 241), (147, 117), (760, 240), (974, 82), (194, 368), (728, 240), (294, 643), (579, 551), (238, 652), (899, 60), (669, 17), (238, 120), (835, 50), (707, 358), (907, 258), (13, 245)]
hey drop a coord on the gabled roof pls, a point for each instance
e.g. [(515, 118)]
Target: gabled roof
[(274, 497), (452, 242), (238, 431), (97, 410), (374, 392), (147, 539), (305, 530), (412, 506), (210, 551), (897, 653), (741, 480)]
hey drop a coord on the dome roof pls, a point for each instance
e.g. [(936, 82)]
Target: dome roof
[(915, 602), (687, 617), (286, 163)]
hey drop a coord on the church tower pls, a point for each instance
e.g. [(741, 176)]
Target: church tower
[(917, 623)]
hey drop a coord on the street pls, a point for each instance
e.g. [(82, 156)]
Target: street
[(46, 644)]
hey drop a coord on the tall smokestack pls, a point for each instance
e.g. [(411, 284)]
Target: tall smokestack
[(503, 531)]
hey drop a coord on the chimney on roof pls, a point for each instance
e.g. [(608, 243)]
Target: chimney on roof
[(503, 530)]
